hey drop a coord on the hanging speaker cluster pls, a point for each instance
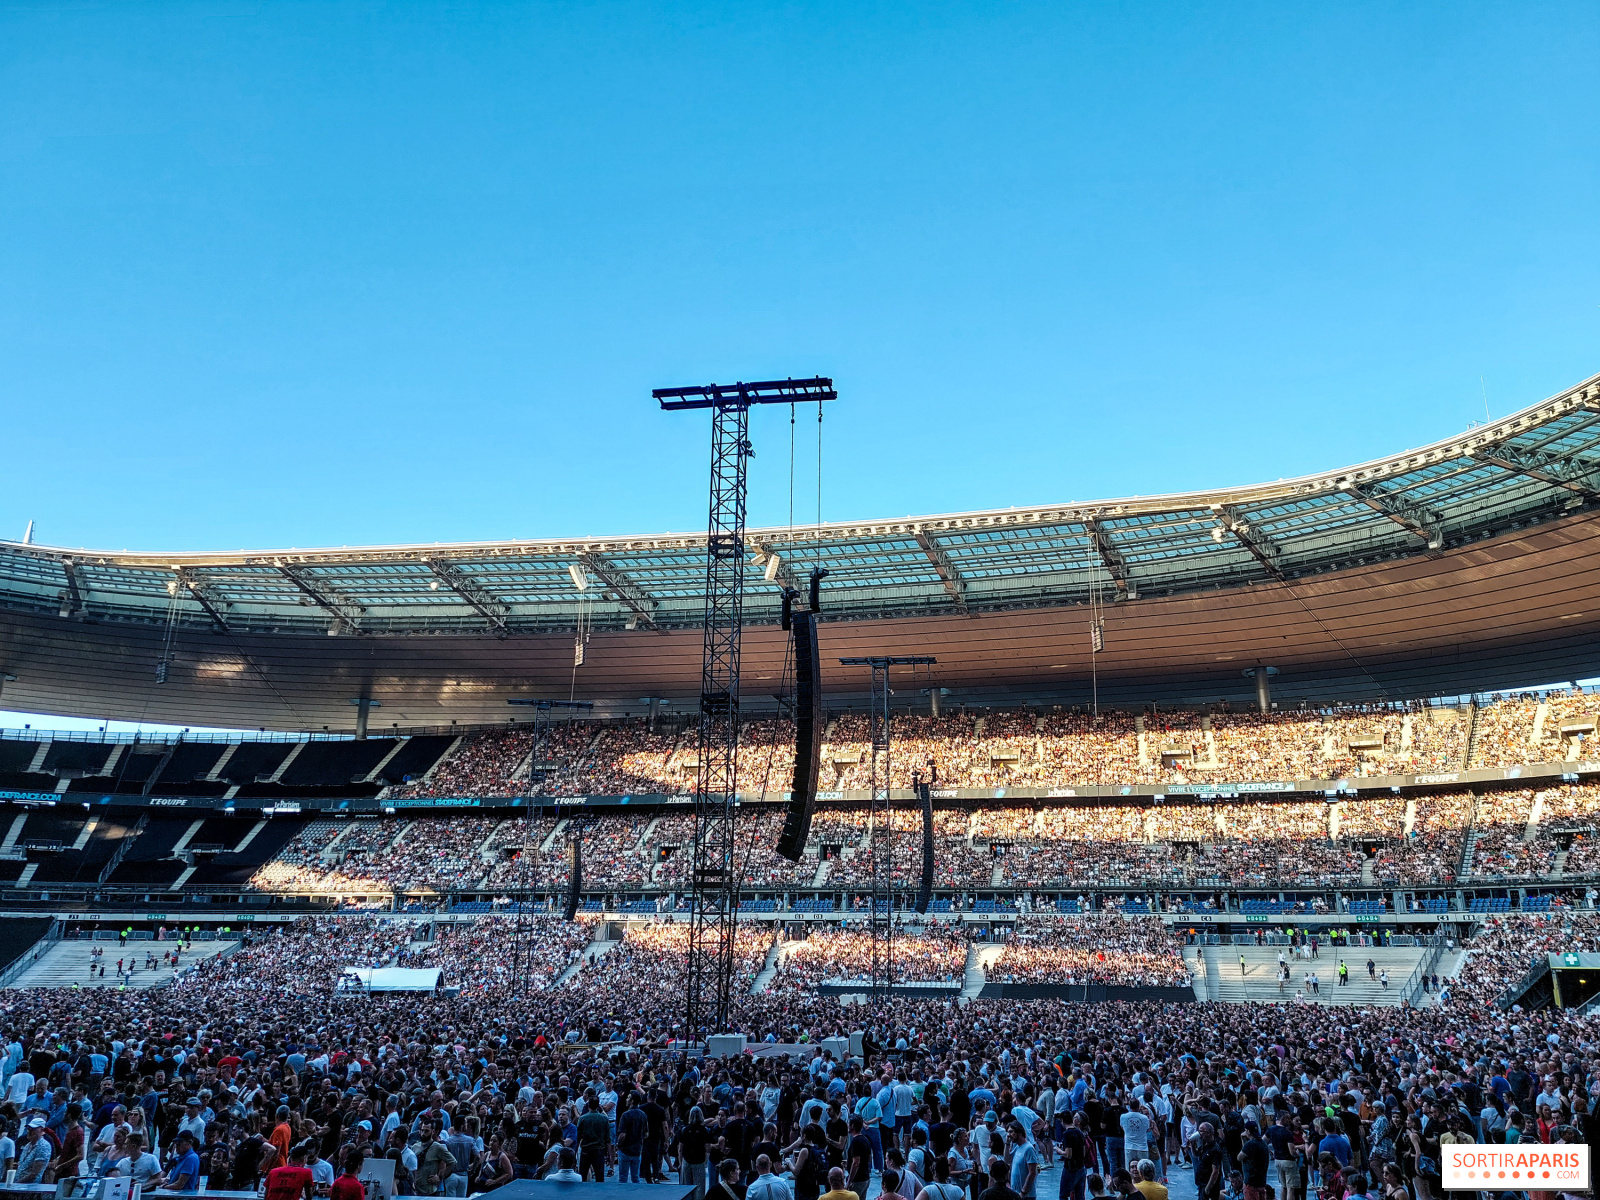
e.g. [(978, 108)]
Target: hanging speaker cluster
[(575, 878), (808, 723)]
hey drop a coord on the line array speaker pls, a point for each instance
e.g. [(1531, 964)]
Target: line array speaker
[(925, 887), (808, 730), (575, 879)]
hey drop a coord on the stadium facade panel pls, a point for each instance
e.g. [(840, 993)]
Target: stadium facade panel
[(1463, 566)]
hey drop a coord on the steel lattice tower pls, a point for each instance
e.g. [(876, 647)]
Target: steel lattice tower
[(524, 935), (714, 881), (880, 818)]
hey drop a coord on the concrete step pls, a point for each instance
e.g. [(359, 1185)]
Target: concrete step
[(592, 953), (769, 968), (1259, 981), (973, 979), (67, 963)]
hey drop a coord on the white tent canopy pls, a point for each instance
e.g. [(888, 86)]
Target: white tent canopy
[(390, 979)]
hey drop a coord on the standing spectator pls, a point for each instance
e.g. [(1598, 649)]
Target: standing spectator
[(594, 1139), (34, 1159), (1025, 1163), (293, 1180), (766, 1185), (632, 1127)]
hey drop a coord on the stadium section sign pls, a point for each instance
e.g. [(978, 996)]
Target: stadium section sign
[(1525, 1166)]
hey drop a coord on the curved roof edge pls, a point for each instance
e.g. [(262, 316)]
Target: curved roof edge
[(1474, 443), (1537, 466)]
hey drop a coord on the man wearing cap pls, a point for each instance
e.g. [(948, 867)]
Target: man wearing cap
[(194, 1120), (185, 1175), (34, 1156), (987, 1138)]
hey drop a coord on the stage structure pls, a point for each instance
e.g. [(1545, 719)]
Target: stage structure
[(524, 934), (715, 885), (881, 816)]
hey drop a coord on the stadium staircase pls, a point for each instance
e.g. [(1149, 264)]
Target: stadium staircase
[(1259, 984), (768, 969), (124, 844), (1535, 815), (10, 844), (824, 869), (973, 978), (596, 949), (1558, 865), (1469, 849), (1369, 876), (67, 963), (1471, 749)]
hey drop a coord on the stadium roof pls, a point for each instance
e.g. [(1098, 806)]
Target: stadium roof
[(1419, 515)]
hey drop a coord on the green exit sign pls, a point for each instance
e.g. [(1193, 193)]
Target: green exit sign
[(1369, 918), (1258, 917)]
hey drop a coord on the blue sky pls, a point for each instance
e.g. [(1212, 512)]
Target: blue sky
[(334, 274)]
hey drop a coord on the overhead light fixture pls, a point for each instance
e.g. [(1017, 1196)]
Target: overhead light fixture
[(579, 579), (773, 563)]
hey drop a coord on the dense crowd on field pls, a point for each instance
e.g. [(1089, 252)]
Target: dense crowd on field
[(262, 1071), (1518, 834)]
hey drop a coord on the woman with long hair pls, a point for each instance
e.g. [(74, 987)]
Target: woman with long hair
[(690, 1147)]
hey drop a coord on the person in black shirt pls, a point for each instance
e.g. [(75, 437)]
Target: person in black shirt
[(858, 1160), (655, 1141), (632, 1127), (1208, 1163), (1074, 1163), (1254, 1158), (728, 1186), (530, 1144), (960, 1104), (838, 1131), (768, 1145), (999, 1188), (1351, 1120), (691, 1145), (943, 1133), (810, 1164)]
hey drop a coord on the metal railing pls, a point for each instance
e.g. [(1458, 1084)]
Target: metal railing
[(33, 954), (1412, 988)]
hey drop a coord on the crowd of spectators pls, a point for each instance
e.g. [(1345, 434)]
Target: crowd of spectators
[(647, 965), (1023, 747), (934, 954), (257, 1064), (1511, 730), (1381, 840), (1102, 949), (474, 955)]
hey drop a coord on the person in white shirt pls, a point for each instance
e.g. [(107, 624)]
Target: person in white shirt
[(1027, 1118), (986, 1137), (766, 1185), (194, 1122), (20, 1084), (566, 1170), (771, 1094), (1135, 1135)]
